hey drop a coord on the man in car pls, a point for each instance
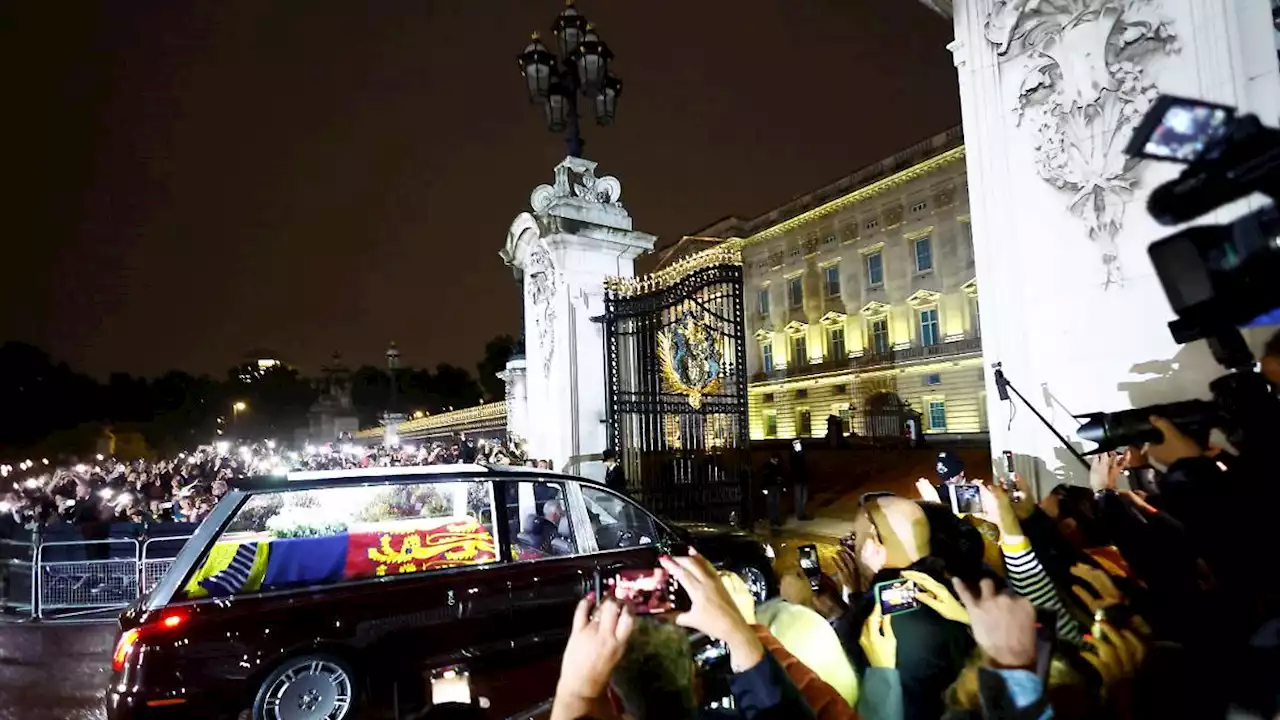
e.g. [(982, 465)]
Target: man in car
[(548, 525)]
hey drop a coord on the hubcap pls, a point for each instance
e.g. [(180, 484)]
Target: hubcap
[(755, 582), (315, 690)]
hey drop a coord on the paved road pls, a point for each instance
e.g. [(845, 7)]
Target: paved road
[(54, 672)]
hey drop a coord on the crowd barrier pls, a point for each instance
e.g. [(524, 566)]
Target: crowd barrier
[(65, 571)]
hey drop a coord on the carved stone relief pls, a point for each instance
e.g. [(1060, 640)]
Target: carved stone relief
[(1084, 87), (944, 196), (541, 284), (892, 216), (576, 178)]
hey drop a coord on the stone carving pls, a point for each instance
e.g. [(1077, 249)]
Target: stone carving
[(945, 196), (1083, 90), (811, 245), (540, 286), (775, 259), (575, 178), (892, 216)]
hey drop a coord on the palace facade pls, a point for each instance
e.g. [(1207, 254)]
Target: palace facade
[(862, 297)]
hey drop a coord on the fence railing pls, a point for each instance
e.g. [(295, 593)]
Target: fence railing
[(57, 573)]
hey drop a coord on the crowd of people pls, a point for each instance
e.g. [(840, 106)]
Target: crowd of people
[(187, 487), (1149, 594)]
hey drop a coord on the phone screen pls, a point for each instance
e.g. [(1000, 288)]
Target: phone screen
[(649, 592), (809, 564), (965, 499), (451, 685), (896, 596)]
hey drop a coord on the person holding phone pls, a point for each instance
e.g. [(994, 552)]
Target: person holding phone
[(892, 541)]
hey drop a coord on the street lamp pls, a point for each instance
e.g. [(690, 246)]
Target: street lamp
[(581, 69), (237, 407)]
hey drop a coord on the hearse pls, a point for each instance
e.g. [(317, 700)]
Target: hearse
[(341, 594)]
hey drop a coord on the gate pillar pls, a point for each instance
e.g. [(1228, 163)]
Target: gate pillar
[(577, 235)]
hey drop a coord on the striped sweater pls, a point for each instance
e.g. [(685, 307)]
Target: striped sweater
[(1028, 577)]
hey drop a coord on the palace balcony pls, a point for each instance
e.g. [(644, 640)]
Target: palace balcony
[(955, 348)]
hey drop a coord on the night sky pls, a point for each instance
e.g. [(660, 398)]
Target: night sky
[(187, 181)]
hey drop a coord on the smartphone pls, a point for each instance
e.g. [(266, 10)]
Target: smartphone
[(451, 684), (1008, 462), (896, 596), (810, 565), (649, 591), (965, 499)]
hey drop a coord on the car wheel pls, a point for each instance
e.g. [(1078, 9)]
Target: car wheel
[(307, 687), (757, 581)]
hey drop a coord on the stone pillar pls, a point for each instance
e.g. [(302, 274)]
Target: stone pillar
[(516, 378), (577, 235), (1049, 96)]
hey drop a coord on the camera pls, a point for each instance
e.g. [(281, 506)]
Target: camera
[(1217, 278)]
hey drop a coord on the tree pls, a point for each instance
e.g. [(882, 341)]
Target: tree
[(496, 354), (455, 387)]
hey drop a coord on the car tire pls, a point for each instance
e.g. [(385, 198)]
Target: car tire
[(759, 580), (316, 686)]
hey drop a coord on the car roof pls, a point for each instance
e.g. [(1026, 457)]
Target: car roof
[(305, 479)]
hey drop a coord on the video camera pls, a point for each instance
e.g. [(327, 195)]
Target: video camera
[(1217, 278)]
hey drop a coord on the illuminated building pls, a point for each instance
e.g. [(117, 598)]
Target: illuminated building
[(255, 365), (861, 296)]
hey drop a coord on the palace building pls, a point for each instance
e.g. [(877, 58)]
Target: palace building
[(861, 299)]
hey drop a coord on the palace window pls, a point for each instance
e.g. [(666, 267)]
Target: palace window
[(836, 341), (977, 325), (933, 379), (771, 423), (937, 415), (919, 207), (929, 326), (804, 423), (924, 255), (829, 240), (795, 292), (880, 336), (763, 299), (799, 351), (845, 413), (802, 394), (832, 276), (766, 356), (875, 269)]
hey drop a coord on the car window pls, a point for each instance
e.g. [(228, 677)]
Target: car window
[(616, 521), (297, 538), (538, 520)]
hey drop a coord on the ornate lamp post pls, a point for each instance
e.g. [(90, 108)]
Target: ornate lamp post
[(582, 69)]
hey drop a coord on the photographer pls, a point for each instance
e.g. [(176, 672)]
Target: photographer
[(647, 678)]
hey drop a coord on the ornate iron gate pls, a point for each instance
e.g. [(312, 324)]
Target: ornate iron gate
[(677, 384)]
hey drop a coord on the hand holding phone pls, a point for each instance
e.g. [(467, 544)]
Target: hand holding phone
[(650, 591), (810, 564), (896, 596), (966, 499)]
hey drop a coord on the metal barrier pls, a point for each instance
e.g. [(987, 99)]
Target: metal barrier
[(17, 577), (151, 569), (89, 579), (62, 579)]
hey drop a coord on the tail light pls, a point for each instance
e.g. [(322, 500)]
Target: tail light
[(129, 638)]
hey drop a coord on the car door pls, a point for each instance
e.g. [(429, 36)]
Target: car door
[(622, 534)]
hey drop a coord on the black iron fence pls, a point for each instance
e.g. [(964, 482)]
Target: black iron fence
[(677, 387)]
